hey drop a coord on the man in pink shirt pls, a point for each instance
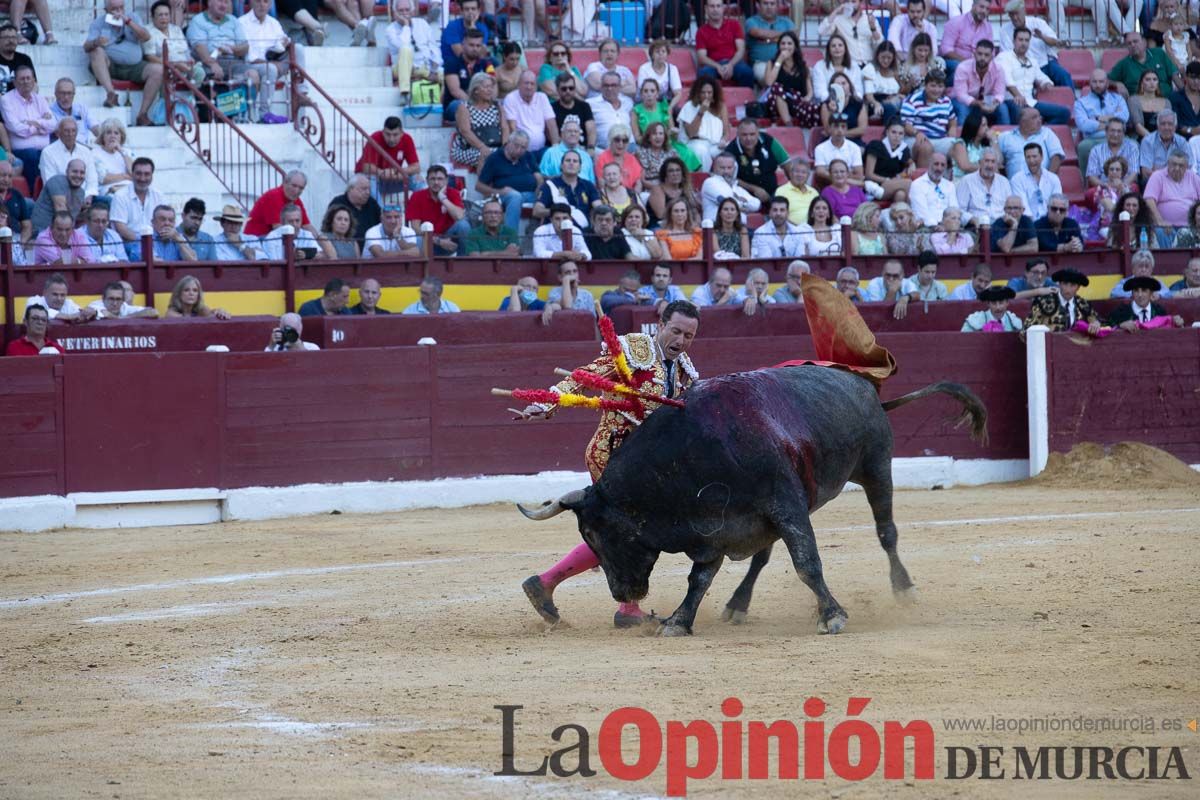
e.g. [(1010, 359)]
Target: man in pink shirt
[(905, 28), (1171, 191), (721, 47), (61, 243), (981, 85), (28, 120), (529, 110), (962, 33)]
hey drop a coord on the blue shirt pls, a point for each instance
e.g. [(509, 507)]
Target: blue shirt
[(759, 49), (536, 305), (202, 30), (1025, 232), (551, 166), (1022, 284), (203, 245), (1101, 153), (583, 299), (224, 251), (1089, 106), (1048, 240), (672, 293), (454, 64), (446, 307), (499, 173), (581, 197), (1153, 153), (313, 308), (1012, 149), (454, 33)]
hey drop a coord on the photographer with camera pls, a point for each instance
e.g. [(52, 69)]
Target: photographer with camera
[(287, 336)]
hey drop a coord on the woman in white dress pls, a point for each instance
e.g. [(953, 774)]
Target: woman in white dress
[(114, 166), (704, 122)]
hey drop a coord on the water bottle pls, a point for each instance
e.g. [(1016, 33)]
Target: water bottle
[(1143, 240)]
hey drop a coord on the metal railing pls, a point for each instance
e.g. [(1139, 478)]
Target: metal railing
[(240, 165), (339, 141)]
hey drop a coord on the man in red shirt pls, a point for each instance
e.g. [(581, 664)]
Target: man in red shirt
[(37, 320), (721, 47), (400, 147), (265, 215), (443, 208)]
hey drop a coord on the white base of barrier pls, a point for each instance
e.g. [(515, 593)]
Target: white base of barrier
[(202, 506)]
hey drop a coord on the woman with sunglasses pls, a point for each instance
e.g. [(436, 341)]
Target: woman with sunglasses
[(558, 61)]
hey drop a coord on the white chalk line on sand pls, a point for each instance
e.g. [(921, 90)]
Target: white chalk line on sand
[(177, 612), (214, 580)]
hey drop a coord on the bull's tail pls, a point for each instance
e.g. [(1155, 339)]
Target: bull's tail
[(973, 408)]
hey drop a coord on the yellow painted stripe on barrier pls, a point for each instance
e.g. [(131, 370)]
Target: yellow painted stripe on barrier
[(468, 297)]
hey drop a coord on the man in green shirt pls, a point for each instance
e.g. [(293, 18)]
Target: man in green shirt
[(1127, 72), (493, 239)]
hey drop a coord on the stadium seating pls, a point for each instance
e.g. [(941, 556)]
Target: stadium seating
[(1110, 57), (1079, 63)]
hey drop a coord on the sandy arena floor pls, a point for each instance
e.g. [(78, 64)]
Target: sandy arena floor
[(361, 656)]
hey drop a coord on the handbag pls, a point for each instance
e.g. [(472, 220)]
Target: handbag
[(490, 135), (425, 93)]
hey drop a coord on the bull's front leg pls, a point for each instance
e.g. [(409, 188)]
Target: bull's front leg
[(701, 577)]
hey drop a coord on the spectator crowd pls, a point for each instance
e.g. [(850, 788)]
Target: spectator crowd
[(930, 135)]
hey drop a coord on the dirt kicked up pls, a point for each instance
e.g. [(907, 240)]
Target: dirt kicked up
[(365, 656)]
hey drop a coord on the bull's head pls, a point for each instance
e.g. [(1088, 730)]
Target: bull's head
[(612, 535)]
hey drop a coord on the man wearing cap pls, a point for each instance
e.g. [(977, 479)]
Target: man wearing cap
[(1142, 308), (1062, 309), (996, 318), (836, 148), (229, 244)]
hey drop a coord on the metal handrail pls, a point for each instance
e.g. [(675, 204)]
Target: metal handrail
[(240, 165), (341, 142)]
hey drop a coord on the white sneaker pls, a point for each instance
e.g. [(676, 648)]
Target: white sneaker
[(360, 33), (873, 189)]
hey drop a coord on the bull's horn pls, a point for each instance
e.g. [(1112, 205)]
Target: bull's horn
[(552, 508)]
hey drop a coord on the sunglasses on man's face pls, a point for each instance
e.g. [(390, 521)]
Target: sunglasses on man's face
[(1058, 209)]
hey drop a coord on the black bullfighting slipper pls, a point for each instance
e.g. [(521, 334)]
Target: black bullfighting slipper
[(540, 599), (621, 620)]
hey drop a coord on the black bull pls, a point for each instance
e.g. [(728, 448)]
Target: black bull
[(745, 463)]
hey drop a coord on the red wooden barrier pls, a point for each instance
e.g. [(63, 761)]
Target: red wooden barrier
[(142, 421), (184, 420), (326, 417), (479, 327), (1140, 387), (31, 426), (164, 335)]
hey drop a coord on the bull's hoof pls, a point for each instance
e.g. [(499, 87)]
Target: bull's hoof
[(674, 630), (733, 616), (907, 597), (832, 625), (540, 599)]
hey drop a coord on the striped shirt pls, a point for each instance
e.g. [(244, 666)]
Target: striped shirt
[(931, 119)]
